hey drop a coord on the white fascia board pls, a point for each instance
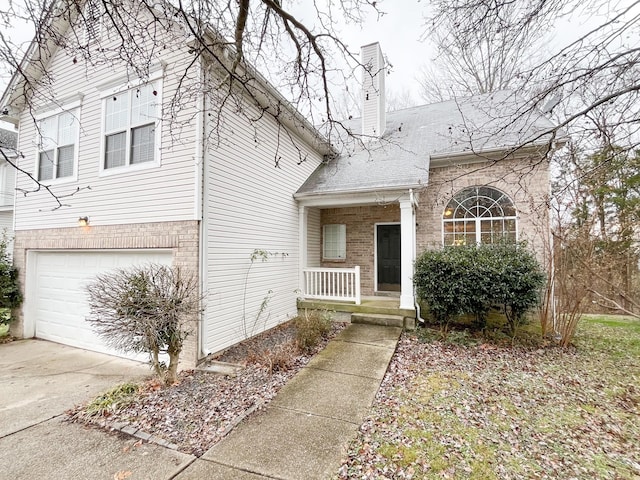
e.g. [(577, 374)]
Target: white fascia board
[(362, 198), (441, 159)]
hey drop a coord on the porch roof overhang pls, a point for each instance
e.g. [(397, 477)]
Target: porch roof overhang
[(360, 197)]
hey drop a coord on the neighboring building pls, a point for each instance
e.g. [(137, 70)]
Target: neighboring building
[(151, 193), (8, 143)]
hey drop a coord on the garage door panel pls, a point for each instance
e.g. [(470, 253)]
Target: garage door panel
[(60, 299)]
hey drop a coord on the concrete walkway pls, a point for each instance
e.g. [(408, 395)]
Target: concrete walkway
[(304, 432)]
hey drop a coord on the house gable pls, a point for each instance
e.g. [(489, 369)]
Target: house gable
[(161, 190)]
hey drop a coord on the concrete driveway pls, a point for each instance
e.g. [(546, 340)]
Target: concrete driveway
[(39, 381)]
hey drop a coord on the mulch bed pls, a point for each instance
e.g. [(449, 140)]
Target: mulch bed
[(202, 407)]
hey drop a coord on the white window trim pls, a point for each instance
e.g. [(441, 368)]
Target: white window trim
[(155, 79), (477, 220), (7, 186), (342, 230), (74, 105)]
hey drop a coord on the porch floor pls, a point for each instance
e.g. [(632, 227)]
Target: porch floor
[(370, 305)]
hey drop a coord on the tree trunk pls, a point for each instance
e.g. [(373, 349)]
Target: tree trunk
[(172, 371), (155, 363)]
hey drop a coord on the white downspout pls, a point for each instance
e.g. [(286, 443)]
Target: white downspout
[(414, 203), (201, 206)]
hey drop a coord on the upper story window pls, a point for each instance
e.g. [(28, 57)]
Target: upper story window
[(479, 215), (334, 242), (7, 184), (57, 145), (130, 127)]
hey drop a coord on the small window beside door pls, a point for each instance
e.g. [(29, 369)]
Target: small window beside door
[(334, 242)]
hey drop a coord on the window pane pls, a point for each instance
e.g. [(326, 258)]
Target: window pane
[(45, 165), (143, 105), (65, 162), (142, 144), (67, 128), (334, 242), (116, 112), (115, 150), (508, 208), (492, 208), (48, 133)]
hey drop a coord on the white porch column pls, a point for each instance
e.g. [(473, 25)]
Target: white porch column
[(303, 220), (407, 256)]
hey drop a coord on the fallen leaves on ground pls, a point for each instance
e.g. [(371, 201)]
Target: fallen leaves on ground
[(505, 412), (202, 407)]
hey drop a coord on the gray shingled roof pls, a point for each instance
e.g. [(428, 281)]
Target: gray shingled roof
[(414, 136)]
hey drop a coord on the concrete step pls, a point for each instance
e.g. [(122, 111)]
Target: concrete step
[(378, 319)]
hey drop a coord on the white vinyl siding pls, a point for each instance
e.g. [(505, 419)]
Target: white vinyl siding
[(92, 23), (334, 242), (57, 146), (314, 238), (249, 206), (7, 184), (136, 194), (6, 229)]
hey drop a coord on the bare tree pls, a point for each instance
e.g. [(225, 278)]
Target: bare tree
[(146, 309), (570, 83), (305, 61), (398, 100), (488, 45), (477, 49)]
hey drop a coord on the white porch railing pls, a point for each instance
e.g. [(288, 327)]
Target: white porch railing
[(332, 284)]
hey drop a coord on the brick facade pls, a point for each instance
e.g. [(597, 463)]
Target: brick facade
[(525, 181), (360, 222), (180, 237)]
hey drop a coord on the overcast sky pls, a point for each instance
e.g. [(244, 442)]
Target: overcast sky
[(399, 33)]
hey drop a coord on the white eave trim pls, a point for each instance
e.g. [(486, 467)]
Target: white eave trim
[(378, 196), (440, 159)]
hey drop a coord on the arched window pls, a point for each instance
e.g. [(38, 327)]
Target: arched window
[(479, 215)]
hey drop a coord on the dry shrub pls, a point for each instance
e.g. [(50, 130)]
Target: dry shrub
[(145, 308), (311, 327), (278, 358)]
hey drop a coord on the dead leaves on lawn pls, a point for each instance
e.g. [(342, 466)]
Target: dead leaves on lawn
[(488, 411)]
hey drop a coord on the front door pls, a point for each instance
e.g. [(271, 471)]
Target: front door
[(388, 257)]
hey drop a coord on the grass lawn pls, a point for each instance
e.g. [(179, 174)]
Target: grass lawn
[(473, 410)]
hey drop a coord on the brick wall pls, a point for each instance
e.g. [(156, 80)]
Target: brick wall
[(360, 222), (180, 237), (525, 181)]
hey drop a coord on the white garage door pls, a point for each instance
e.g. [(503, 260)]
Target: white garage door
[(60, 302)]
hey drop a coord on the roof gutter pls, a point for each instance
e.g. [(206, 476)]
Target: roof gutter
[(498, 152), (396, 188)]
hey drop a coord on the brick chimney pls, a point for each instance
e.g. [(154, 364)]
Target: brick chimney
[(373, 94)]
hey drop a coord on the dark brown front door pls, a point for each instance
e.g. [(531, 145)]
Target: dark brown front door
[(388, 251)]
